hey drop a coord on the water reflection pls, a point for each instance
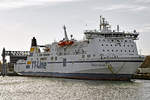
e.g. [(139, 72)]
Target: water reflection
[(29, 88)]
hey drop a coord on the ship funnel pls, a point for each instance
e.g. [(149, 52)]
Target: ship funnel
[(33, 43)]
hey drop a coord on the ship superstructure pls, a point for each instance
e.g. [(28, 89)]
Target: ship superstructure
[(104, 54)]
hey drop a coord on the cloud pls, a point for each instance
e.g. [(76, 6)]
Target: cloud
[(142, 1), (145, 28), (121, 7), (9, 4)]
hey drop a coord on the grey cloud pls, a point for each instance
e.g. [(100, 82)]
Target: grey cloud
[(142, 1), (121, 7), (9, 4), (145, 28)]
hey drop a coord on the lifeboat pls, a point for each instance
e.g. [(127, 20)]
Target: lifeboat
[(65, 43)]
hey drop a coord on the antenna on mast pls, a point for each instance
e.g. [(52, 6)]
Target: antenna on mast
[(65, 32), (100, 23), (117, 28)]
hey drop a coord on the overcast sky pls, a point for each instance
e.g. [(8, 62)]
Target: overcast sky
[(20, 20)]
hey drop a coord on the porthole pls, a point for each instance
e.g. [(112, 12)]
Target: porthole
[(88, 56), (83, 56)]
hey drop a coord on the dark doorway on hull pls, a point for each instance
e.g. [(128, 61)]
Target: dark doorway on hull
[(64, 62)]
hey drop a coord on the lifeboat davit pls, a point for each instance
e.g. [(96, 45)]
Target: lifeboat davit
[(65, 43)]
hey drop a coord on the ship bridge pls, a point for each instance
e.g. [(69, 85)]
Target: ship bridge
[(94, 34), (105, 31)]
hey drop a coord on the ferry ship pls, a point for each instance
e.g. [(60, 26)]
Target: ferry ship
[(104, 54)]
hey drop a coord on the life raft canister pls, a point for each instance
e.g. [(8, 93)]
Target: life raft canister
[(64, 43)]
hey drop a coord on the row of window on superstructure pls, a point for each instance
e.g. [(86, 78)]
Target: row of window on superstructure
[(118, 45), (118, 50), (115, 40)]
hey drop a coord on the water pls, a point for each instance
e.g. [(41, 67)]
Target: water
[(38, 88)]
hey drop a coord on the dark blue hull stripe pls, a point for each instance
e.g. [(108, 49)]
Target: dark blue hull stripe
[(99, 61), (81, 75), (94, 61)]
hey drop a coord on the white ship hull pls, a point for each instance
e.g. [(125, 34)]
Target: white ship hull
[(113, 69)]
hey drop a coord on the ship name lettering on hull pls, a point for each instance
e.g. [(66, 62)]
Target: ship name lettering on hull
[(39, 64)]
